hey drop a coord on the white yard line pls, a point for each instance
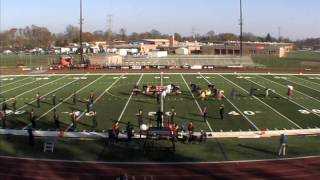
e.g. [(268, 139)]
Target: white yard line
[(263, 102), (97, 99), (286, 98), (49, 93), (84, 87), (37, 88), (306, 80), (18, 86), (125, 107), (256, 127), (195, 101), (14, 82), (286, 86)]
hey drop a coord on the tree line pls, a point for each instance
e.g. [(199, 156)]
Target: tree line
[(40, 37)]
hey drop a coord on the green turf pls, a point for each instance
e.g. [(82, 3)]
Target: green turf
[(212, 150), (117, 104), (282, 104), (27, 60), (10, 61), (300, 59)]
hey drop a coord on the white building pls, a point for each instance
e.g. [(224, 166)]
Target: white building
[(7, 52), (158, 53), (182, 51)]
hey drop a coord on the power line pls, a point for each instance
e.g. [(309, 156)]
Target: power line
[(193, 32), (279, 33)]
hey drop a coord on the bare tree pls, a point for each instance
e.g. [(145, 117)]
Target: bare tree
[(123, 34), (155, 34), (72, 34)]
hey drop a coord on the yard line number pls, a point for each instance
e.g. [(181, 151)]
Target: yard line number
[(248, 113), (303, 111), (251, 113)]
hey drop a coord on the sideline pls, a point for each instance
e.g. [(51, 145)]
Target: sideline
[(163, 163), (146, 73)]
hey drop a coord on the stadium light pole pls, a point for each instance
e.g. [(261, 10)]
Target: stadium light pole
[(241, 47), (81, 47)]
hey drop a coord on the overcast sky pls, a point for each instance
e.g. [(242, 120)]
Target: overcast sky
[(297, 19)]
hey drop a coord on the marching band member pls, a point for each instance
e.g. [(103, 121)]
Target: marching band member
[(290, 91)]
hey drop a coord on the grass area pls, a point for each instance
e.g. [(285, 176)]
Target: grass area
[(11, 61), (298, 59), (114, 102), (212, 150)]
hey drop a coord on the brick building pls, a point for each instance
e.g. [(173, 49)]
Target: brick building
[(249, 48)]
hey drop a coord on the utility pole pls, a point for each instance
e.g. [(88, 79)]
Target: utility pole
[(109, 28), (81, 47), (193, 32), (241, 47), (110, 19), (279, 33)]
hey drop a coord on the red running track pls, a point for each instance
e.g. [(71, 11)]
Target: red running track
[(302, 168)]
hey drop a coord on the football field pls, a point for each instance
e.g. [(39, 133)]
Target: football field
[(115, 102)]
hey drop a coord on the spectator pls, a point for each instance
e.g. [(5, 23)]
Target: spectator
[(283, 145), (31, 136), (129, 131)]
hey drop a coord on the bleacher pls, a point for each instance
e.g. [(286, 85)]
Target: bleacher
[(217, 61)]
